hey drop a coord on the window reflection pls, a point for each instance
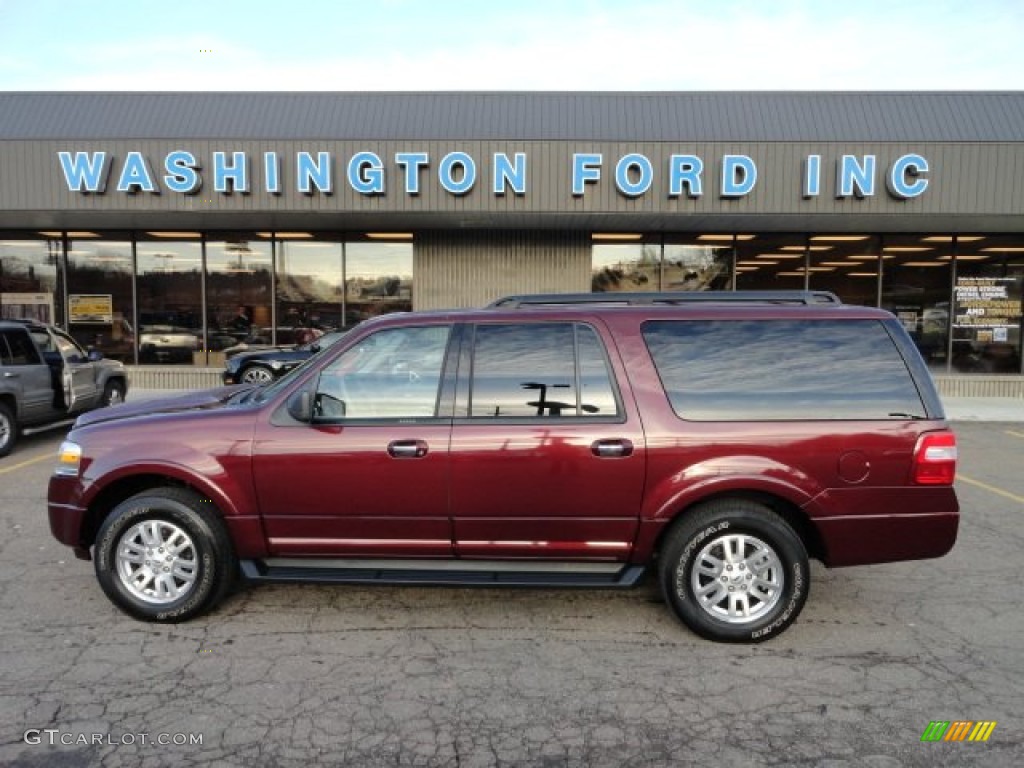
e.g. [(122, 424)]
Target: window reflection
[(100, 299), (625, 267), (691, 265), (309, 279), (170, 291), (378, 280), (30, 284), (827, 369), (238, 293), (916, 272)]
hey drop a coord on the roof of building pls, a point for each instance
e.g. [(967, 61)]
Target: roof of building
[(982, 116)]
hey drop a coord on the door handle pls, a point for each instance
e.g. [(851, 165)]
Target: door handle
[(10, 375), (407, 449), (611, 449)]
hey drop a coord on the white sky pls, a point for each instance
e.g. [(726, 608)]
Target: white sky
[(419, 45)]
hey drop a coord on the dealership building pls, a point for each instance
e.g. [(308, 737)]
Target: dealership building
[(147, 224)]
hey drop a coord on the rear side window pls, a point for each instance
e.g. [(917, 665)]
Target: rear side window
[(762, 370), (16, 348), (539, 370)]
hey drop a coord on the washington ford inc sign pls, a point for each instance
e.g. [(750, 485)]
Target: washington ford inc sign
[(458, 173)]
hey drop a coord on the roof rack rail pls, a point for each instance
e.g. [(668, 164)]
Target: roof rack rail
[(680, 297)]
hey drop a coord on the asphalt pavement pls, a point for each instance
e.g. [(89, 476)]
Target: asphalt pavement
[(298, 675)]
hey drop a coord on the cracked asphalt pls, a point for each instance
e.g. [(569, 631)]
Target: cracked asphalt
[(306, 675)]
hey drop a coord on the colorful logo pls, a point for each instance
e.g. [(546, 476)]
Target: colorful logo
[(958, 730)]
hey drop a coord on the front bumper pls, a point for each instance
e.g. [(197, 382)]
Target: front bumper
[(67, 515)]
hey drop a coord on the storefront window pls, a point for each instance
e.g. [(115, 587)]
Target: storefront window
[(378, 279), (625, 267), (916, 273), (846, 265), (309, 279), (238, 293), (100, 298), (170, 298), (771, 262), (30, 276), (988, 304), (692, 264)]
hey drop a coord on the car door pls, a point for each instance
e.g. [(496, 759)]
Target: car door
[(369, 476), (79, 373), (26, 375), (547, 454)]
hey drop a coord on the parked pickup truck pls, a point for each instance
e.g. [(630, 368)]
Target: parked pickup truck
[(46, 379)]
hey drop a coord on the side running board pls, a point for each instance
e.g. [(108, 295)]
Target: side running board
[(455, 573)]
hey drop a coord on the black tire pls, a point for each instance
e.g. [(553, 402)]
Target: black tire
[(210, 556), (8, 430), (769, 578), (113, 393)]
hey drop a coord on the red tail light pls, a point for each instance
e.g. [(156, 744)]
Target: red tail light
[(935, 459)]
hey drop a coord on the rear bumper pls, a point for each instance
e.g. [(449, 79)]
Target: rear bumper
[(866, 539)]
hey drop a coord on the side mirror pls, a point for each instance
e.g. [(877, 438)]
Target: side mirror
[(95, 355), (300, 406)]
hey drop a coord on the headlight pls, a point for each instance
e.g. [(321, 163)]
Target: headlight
[(69, 457)]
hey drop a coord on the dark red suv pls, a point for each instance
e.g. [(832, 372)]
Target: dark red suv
[(718, 439)]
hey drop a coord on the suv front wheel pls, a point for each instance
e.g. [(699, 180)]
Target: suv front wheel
[(164, 555), (735, 571)]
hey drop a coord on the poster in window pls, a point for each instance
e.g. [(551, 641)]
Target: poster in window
[(91, 308)]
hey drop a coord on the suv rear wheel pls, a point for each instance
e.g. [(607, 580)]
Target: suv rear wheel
[(735, 571), (164, 555)]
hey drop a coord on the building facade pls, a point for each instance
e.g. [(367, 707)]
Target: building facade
[(165, 228)]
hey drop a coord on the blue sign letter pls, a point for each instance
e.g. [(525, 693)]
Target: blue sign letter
[(739, 174), (447, 171), (585, 168), (912, 166), (812, 176), (854, 178), (366, 173), (271, 173), (310, 173), (643, 166), (412, 161), (684, 169), (181, 172), (135, 176), (509, 174), (85, 173), (237, 173)]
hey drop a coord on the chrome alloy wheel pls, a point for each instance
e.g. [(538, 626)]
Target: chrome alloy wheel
[(737, 578), (157, 562), (257, 375)]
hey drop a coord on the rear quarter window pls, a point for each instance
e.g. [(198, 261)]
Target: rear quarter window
[(764, 370)]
